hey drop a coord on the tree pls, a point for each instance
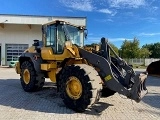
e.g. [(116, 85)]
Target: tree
[(154, 49), (130, 49), (144, 53)]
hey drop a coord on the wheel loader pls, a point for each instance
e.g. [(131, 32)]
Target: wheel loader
[(81, 76), (153, 68)]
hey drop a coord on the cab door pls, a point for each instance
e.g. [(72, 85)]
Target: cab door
[(55, 38)]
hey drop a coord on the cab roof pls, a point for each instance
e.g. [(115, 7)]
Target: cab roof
[(62, 22)]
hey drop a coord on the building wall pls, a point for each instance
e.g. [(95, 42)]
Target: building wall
[(17, 34)]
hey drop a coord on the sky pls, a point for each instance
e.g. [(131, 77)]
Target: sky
[(116, 20)]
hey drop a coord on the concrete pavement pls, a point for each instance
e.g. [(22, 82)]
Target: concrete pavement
[(15, 104)]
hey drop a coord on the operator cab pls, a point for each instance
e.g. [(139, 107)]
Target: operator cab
[(56, 33)]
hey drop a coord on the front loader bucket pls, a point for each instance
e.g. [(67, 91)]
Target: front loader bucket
[(139, 90), (136, 92), (154, 68)]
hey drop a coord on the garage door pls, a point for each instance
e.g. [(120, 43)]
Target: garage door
[(14, 50)]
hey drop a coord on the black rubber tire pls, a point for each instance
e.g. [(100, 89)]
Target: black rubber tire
[(107, 92), (36, 80), (91, 86), (58, 81)]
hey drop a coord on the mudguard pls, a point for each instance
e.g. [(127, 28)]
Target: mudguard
[(35, 58)]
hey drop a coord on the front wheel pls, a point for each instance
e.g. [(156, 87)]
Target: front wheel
[(30, 80), (80, 86)]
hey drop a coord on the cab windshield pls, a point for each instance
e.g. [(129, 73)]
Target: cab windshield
[(73, 34)]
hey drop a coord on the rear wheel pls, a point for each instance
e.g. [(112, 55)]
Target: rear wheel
[(30, 80), (79, 86)]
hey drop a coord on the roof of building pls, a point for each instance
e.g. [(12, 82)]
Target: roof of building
[(39, 20)]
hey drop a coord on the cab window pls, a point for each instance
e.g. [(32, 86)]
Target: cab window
[(60, 39), (51, 37)]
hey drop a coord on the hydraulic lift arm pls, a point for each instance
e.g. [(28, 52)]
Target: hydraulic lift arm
[(131, 85)]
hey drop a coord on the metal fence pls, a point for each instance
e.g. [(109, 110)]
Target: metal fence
[(141, 61)]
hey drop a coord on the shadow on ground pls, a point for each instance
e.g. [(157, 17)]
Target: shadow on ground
[(153, 81), (98, 108), (153, 96), (47, 100)]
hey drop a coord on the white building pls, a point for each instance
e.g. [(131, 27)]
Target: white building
[(17, 33)]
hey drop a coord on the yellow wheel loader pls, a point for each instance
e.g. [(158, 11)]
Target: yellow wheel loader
[(81, 76)]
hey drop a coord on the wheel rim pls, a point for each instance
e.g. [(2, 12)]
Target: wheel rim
[(26, 76), (74, 88)]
